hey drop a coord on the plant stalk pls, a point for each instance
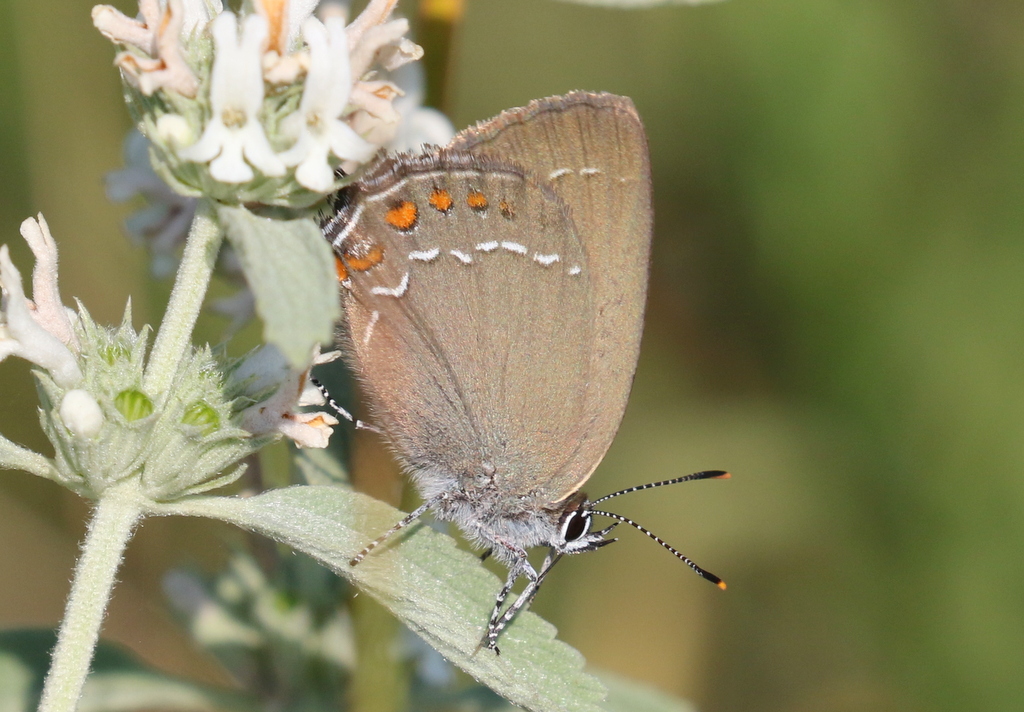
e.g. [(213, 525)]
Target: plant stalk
[(114, 517), (190, 285)]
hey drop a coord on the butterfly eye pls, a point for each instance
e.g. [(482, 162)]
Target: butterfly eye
[(576, 525)]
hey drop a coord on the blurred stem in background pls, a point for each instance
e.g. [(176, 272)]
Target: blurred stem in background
[(381, 679), (438, 24)]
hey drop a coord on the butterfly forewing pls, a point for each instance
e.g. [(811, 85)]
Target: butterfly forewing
[(592, 151), (470, 318)]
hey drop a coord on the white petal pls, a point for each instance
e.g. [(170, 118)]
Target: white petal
[(341, 68), (237, 81), (24, 337), (326, 357), (346, 143), (250, 51), (298, 12), (229, 166), (293, 125), (224, 75), (208, 145), (49, 312), (328, 83), (311, 395), (121, 29), (314, 172), (236, 93), (297, 153), (375, 13), (258, 150), (400, 54), (374, 40), (309, 429), (315, 35), (265, 367), (260, 370)]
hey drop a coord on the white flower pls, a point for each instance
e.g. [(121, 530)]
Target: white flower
[(414, 126), (308, 429), (382, 42), (266, 367), (374, 15), (48, 310), (36, 334), (376, 117), (121, 29), (374, 40), (317, 125), (419, 126), (158, 36), (236, 95)]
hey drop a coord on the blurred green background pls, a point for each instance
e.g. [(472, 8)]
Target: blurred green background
[(836, 316)]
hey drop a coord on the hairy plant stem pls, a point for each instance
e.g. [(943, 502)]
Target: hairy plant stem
[(190, 285), (114, 517)]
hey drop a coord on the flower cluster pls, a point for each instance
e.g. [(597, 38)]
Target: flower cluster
[(261, 107), (105, 425)]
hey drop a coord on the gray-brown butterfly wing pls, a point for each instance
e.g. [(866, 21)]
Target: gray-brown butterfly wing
[(469, 319), (592, 150)]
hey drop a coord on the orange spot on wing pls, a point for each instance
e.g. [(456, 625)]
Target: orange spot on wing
[(402, 216), (441, 200), (476, 200), (340, 268), (506, 209), (373, 257)]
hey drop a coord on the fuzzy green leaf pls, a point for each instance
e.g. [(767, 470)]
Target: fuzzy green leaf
[(118, 682), (289, 267), (625, 695), (442, 593)]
